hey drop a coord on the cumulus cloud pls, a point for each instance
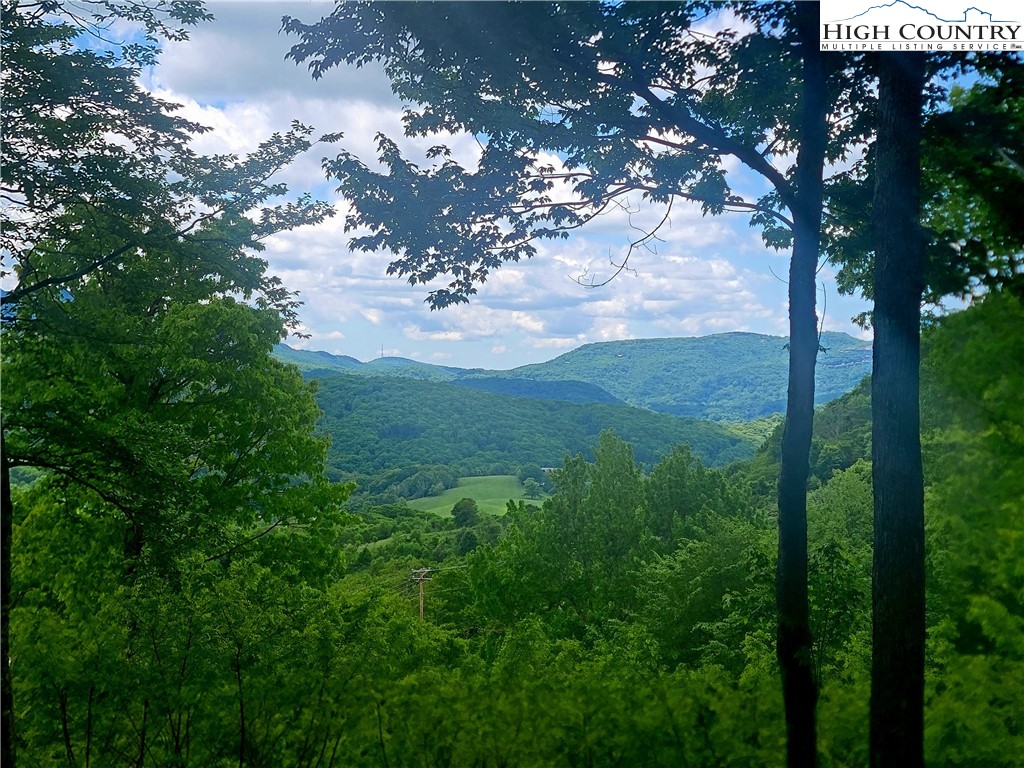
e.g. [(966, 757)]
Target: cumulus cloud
[(240, 57), (700, 275), (416, 334)]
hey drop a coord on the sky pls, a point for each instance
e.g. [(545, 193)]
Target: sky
[(709, 274)]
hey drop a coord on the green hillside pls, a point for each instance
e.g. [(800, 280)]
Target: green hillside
[(725, 377), (320, 363), (378, 423), (307, 360), (412, 369), (566, 391), (490, 492), (729, 377)]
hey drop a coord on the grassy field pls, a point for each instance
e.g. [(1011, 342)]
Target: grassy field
[(490, 493)]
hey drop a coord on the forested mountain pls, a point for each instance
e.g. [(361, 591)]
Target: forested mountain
[(724, 377), (316, 362), (379, 423), (559, 389)]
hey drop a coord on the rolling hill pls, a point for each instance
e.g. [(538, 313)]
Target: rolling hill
[(378, 423), (729, 377), (725, 377)]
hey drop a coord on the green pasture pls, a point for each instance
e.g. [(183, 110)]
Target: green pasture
[(491, 493)]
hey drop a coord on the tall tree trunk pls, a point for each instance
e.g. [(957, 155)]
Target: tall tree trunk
[(898, 633), (8, 752), (793, 649)]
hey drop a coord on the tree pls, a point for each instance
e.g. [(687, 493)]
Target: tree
[(897, 688), (534, 472), (532, 489), (141, 386), (971, 170), (102, 194), (624, 99), (139, 396), (954, 235), (85, 145), (465, 513), (681, 493), (225, 656)]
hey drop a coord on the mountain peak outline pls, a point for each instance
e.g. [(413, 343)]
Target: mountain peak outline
[(911, 6)]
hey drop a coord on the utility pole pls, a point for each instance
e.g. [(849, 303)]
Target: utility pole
[(421, 576)]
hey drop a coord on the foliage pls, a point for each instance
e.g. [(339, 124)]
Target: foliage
[(842, 436), (238, 661), (184, 592), (96, 171), (971, 171), (976, 526), (565, 391), (465, 513), (604, 102), (582, 630), (373, 429), (139, 386), (681, 495), (179, 475), (839, 530), (536, 473), (532, 489)]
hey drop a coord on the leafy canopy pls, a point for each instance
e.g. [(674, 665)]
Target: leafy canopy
[(138, 335), (578, 107), (88, 153)]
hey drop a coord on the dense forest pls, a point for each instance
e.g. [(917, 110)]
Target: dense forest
[(732, 377), (372, 428), (189, 577), (626, 621)]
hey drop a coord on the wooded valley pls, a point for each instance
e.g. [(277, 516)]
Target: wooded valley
[(627, 619)]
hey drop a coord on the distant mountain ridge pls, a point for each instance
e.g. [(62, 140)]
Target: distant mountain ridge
[(726, 377), (723, 377)]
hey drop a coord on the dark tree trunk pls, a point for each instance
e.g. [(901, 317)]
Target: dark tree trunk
[(8, 752), (799, 688), (898, 634)]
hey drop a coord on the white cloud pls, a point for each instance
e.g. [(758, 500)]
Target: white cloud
[(612, 330), (554, 342), (241, 57), (414, 333), (703, 274)]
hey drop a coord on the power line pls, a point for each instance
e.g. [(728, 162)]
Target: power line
[(421, 576)]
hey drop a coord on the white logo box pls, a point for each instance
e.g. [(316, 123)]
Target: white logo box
[(938, 25)]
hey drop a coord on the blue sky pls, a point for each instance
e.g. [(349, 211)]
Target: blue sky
[(710, 275)]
